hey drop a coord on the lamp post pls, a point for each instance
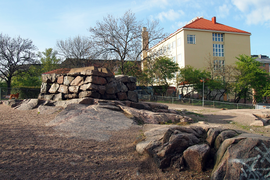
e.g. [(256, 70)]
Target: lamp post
[(202, 92)]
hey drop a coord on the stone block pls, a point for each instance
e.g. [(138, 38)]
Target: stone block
[(131, 86), (132, 79), (89, 86), (109, 96), (92, 94), (196, 156), (102, 72), (54, 88), (73, 89), (122, 96), (70, 96), (58, 97), (95, 80), (44, 88), (63, 89), (122, 78), (49, 78), (133, 96), (101, 89), (78, 71), (60, 80), (77, 81), (68, 80)]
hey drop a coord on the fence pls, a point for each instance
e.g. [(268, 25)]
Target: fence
[(195, 102), (24, 93)]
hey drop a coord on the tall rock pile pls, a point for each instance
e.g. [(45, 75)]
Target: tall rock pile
[(89, 81)]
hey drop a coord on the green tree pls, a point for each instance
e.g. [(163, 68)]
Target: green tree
[(192, 77), (49, 60), (250, 77), (164, 69), (131, 68), (29, 78)]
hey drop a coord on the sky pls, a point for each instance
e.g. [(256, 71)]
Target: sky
[(47, 21)]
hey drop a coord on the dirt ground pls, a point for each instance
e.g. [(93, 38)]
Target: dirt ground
[(31, 150)]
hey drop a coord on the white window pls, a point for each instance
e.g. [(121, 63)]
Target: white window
[(191, 39), (169, 47), (179, 42), (218, 50), (164, 49), (173, 44), (217, 37), (218, 64), (179, 58)]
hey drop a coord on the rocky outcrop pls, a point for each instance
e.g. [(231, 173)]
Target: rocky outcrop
[(231, 154), (262, 119), (88, 82), (27, 104)]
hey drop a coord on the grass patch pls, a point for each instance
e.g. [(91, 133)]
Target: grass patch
[(193, 113), (245, 127)]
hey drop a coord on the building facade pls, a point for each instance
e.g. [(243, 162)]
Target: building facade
[(202, 41), (264, 60)]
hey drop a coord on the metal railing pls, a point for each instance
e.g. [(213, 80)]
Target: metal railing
[(195, 102)]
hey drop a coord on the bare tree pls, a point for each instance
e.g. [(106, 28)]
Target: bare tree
[(14, 54), (76, 48), (121, 38)]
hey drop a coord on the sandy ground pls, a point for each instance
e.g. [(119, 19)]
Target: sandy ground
[(31, 150)]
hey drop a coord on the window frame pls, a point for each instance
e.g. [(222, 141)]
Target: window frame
[(218, 50), (191, 39), (179, 42), (218, 37)]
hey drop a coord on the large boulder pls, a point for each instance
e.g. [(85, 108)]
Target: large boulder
[(64, 104), (149, 117), (97, 121), (28, 104), (174, 142), (12, 102), (49, 109), (196, 156), (243, 157)]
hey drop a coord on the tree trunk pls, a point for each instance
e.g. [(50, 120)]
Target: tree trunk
[(8, 85)]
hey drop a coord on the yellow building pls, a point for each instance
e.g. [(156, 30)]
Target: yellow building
[(201, 41)]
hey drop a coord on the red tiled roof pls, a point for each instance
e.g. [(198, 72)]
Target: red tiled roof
[(201, 23), (58, 71), (204, 24)]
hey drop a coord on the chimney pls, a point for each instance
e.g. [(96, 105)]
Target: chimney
[(214, 21), (145, 42), (260, 56)]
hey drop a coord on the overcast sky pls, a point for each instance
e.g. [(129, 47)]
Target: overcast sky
[(46, 21)]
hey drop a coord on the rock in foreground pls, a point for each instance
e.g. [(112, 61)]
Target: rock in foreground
[(232, 154)]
